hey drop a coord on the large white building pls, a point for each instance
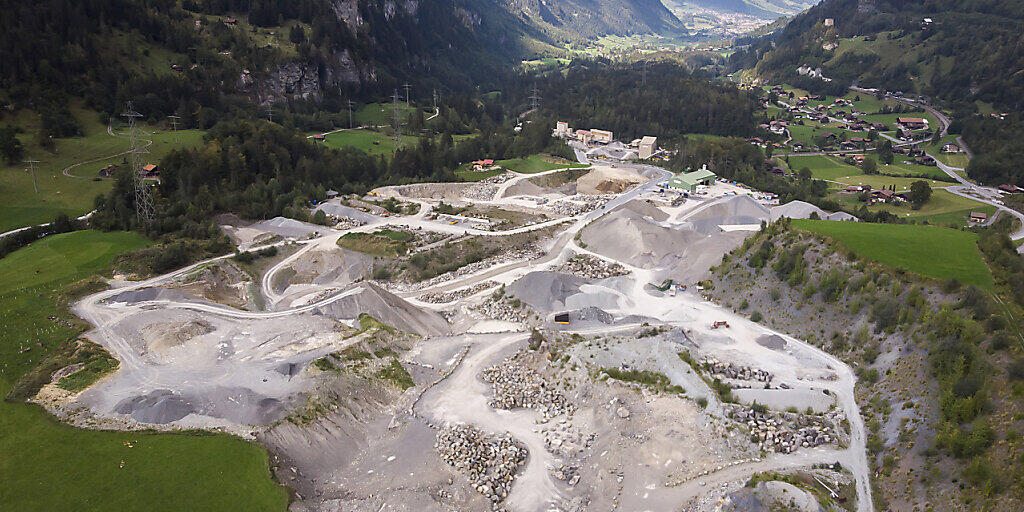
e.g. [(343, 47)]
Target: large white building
[(604, 136)]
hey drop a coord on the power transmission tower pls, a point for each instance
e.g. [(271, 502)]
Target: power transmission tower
[(143, 200), (643, 73), (534, 99), (435, 100), (350, 104), (32, 169), (270, 113), (398, 119), (174, 125), (406, 95)]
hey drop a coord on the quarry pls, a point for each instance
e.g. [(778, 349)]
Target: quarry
[(526, 342)]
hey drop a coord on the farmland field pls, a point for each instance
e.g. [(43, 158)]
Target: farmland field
[(930, 251)]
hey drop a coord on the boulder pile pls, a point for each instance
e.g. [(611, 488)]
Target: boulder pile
[(489, 461), (487, 187), (579, 204), (785, 432), (735, 371), (452, 296), (585, 265), (503, 310), (514, 384)]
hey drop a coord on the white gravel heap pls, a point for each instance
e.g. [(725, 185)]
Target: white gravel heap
[(516, 385), (585, 265), (452, 296), (785, 432), (735, 371), (489, 461)]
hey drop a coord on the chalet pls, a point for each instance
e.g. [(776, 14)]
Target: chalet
[(978, 217), (912, 123), (479, 165), (949, 147), (230, 21), (319, 137), (150, 170), (883, 196), (879, 127)]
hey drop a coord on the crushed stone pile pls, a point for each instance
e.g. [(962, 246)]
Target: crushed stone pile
[(515, 384), (585, 265), (796, 210), (785, 432), (452, 296), (489, 461)]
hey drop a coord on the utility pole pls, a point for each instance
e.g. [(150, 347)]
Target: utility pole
[(143, 200), (174, 125), (350, 103), (406, 95), (32, 169)]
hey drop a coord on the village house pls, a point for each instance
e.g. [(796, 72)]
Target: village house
[(912, 123), (978, 217), (149, 170)]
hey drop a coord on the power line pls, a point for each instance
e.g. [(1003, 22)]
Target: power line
[(143, 199), (398, 120), (32, 169), (406, 95)]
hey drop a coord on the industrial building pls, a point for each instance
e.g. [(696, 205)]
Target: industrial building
[(689, 181), (647, 147)]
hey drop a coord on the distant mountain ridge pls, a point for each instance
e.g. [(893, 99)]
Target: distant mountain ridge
[(765, 9)]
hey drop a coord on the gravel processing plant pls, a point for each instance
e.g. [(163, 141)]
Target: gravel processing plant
[(527, 342)]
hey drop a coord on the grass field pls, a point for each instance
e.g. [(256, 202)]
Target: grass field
[(374, 142), (822, 167), (382, 114), (930, 251), (50, 466), (537, 163), (21, 206), (384, 242)]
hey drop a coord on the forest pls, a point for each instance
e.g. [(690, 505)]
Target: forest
[(665, 101)]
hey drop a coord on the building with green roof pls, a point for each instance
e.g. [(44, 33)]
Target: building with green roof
[(690, 180)]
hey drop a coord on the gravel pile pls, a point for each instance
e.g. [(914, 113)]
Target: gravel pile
[(452, 296), (514, 384), (489, 461), (585, 265), (735, 371), (785, 432)]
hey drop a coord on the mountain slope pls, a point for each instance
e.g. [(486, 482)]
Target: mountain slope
[(765, 9), (575, 19), (971, 50)]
